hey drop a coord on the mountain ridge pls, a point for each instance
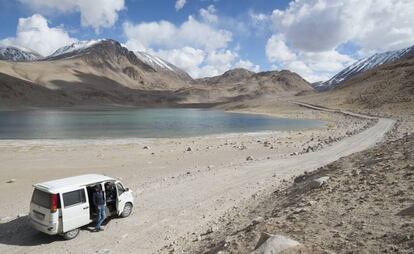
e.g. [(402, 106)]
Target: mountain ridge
[(363, 65)]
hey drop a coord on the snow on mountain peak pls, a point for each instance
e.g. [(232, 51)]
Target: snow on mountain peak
[(153, 61), (16, 53), (76, 46), (365, 64)]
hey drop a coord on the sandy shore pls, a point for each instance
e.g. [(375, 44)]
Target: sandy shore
[(180, 192)]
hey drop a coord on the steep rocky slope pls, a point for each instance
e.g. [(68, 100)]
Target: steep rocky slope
[(12, 53), (364, 65)]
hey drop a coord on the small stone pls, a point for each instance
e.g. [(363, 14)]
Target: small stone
[(249, 158), (189, 149), (11, 180), (146, 147), (258, 220)]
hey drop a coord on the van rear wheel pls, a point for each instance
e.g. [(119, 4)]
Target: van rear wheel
[(71, 234), (127, 210)]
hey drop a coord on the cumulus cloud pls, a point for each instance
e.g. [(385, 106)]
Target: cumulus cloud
[(187, 58), (94, 13), (196, 45), (313, 66), (164, 34), (209, 15), (179, 4), (276, 50), (34, 33), (320, 25), (307, 34)]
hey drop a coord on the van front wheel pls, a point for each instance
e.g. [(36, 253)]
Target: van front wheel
[(127, 210), (71, 234)]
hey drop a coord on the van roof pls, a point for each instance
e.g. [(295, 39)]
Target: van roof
[(64, 184)]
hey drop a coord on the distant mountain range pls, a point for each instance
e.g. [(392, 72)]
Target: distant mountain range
[(104, 72), (13, 53), (364, 65)]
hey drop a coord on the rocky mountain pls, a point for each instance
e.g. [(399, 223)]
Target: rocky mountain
[(239, 84), (231, 76), (99, 73), (386, 88), (12, 53), (85, 47), (363, 65)]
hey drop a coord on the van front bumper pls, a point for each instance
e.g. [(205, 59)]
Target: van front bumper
[(51, 229)]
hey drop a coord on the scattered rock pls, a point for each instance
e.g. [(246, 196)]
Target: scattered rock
[(319, 182), (300, 178), (249, 158), (146, 147), (274, 244), (11, 181), (189, 149), (257, 220), (407, 211)]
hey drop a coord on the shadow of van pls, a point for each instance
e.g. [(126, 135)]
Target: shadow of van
[(19, 232)]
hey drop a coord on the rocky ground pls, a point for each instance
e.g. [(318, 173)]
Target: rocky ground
[(362, 203)]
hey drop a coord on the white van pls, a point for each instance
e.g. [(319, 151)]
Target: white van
[(63, 206)]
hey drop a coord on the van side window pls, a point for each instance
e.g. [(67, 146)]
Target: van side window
[(120, 189), (74, 197)]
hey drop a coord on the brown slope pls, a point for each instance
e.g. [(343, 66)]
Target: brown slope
[(388, 88)]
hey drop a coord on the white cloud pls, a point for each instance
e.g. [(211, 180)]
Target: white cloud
[(198, 45), (95, 13), (209, 15), (307, 34), (187, 58), (276, 50), (313, 66), (321, 25), (34, 33), (222, 59), (246, 64), (179, 4), (164, 34)]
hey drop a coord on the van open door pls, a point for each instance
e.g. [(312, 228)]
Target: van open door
[(121, 199), (75, 209)]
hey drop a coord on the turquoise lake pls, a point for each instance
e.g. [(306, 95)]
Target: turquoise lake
[(138, 123)]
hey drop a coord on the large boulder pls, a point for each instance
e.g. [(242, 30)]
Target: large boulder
[(275, 244)]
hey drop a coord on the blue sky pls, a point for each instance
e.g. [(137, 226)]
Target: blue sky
[(315, 38)]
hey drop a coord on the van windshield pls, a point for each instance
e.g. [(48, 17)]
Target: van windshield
[(42, 198)]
